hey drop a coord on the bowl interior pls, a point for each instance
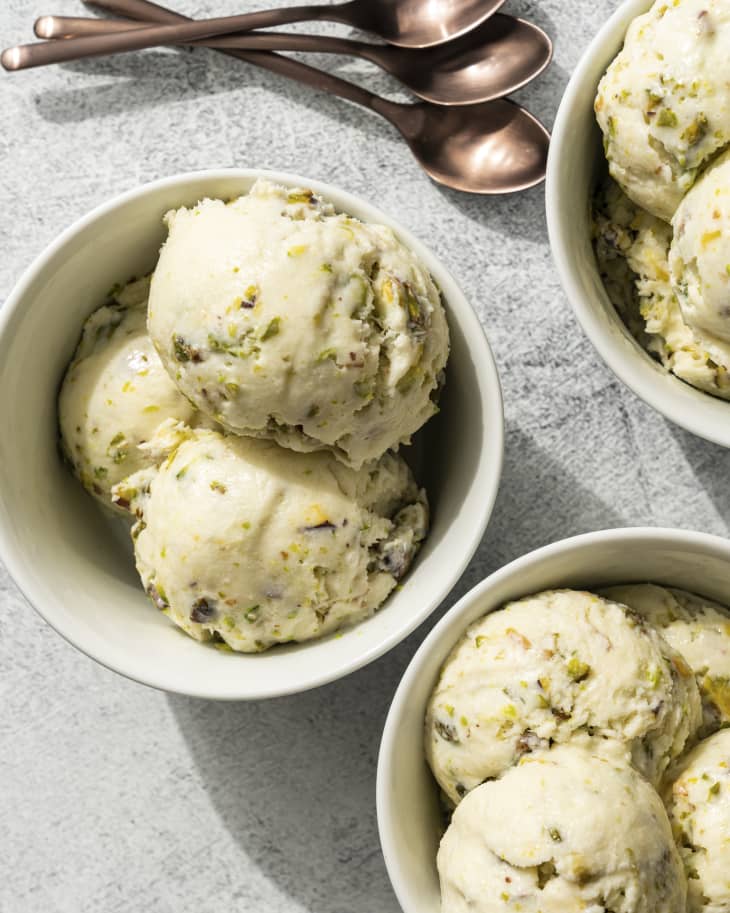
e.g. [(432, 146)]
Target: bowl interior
[(408, 810), (75, 565), (576, 162)]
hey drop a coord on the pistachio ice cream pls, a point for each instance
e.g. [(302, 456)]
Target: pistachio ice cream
[(660, 233), (561, 832), (664, 104), (242, 541), (115, 393), (283, 319), (632, 250), (698, 629), (698, 801), (699, 255), (559, 666)]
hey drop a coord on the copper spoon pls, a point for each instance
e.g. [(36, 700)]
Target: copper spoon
[(493, 60), (493, 147), (409, 23)]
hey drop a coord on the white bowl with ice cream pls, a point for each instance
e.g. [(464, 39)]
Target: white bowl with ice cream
[(75, 566), (410, 816), (576, 165)]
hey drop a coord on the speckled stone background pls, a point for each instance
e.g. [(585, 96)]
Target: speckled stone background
[(117, 798)]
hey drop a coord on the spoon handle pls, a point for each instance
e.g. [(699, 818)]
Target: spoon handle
[(146, 11), (76, 26), (34, 55)]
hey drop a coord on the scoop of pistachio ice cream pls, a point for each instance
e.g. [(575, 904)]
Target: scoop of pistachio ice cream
[(559, 666), (282, 319), (699, 256), (698, 801), (115, 393), (696, 627), (562, 832), (632, 249), (240, 540), (663, 104)]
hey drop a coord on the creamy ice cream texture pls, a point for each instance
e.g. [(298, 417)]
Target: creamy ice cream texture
[(698, 629), (283, 319), (561, 832), (633, 249), (115, 394), (698, 802), (699, 256), (663, 104), (242, 541), (556, 667)]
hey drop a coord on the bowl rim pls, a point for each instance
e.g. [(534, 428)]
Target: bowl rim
[(392, 851), (633, 367), (488, 468)]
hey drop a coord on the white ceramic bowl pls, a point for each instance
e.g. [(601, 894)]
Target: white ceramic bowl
[(62, 552), (575, 163), (407, 796)]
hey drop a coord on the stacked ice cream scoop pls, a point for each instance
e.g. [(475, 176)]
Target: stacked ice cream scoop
[(557, 726), (246, 403), (662, 234)]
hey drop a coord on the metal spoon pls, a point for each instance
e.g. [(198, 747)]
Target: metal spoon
[(409, 23), (493, 147), (406, 23), (493, 60)]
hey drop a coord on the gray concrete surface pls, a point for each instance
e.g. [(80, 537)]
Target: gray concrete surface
[(117, 798)]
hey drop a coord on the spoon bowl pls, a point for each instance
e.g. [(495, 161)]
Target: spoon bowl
[(490, 148), (420, 23), (491, 61)]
